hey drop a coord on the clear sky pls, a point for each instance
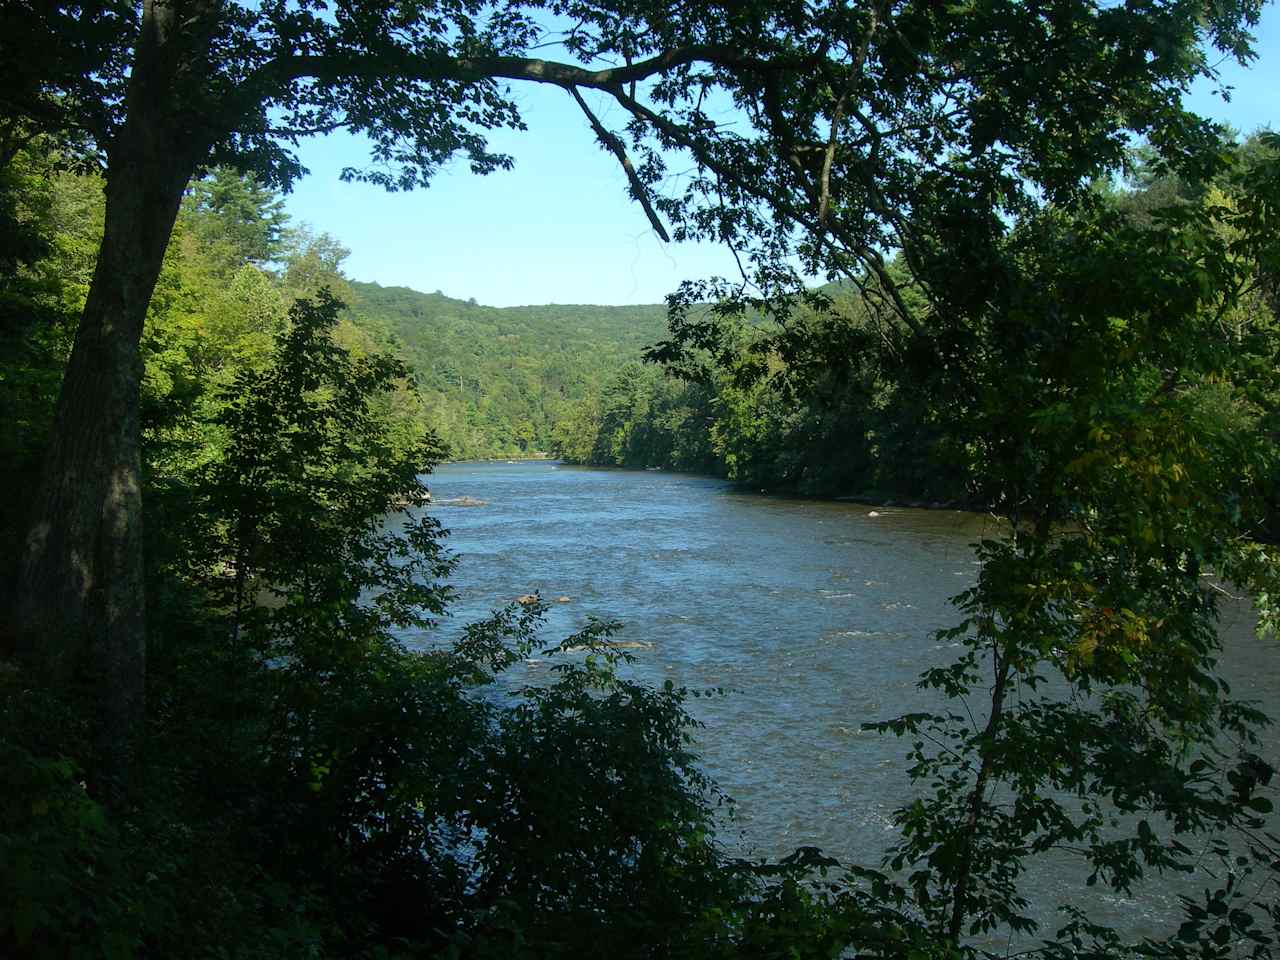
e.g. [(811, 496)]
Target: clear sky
[(560, 227)]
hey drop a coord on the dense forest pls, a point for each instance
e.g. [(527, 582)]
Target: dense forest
[(858, 428), (496, 382), (213, 742), (491, 382), (280, 429)]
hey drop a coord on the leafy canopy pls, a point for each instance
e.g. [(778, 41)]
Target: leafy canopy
[(830, 132)]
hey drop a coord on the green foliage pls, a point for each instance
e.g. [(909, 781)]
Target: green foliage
[(307, 786), (1112, 389), (48, 221), (500, 382), (301, 491), (819, 413), (60, 860), (1118, 425), (640, 418), (1105, 375), (829, 395), (236, 218)]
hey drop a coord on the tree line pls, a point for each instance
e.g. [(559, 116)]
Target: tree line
[(497, 381), (862, 425)]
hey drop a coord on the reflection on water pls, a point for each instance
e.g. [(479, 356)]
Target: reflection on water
[(815, 616)]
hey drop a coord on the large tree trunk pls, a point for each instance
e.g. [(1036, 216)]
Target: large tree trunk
[(79, 602)]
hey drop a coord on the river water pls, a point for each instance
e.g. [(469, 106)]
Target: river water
[(815, 617)]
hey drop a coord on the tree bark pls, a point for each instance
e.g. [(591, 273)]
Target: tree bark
[(79, 602)]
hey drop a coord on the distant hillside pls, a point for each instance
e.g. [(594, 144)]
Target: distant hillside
[(497, 379)]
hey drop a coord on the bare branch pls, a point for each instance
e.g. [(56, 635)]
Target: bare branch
[(615, 145)]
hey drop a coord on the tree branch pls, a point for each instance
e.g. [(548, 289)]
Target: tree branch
[(474, 69), (867, 255), (614, 144), (614, 81), (824, 197)]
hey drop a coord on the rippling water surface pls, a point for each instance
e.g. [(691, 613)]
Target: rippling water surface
[(815, 617)]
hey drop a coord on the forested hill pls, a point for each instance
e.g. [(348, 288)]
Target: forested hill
[(496, 380)]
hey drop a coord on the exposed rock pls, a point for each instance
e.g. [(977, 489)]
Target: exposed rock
[(562, 600), (614, 644), (527, 599), (417, 500)]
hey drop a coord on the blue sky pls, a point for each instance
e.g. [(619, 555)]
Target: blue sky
[(560, 227)]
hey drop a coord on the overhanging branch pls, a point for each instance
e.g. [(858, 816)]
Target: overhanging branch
[(614, 144), (428, 67), (616, 81), (867, 254)]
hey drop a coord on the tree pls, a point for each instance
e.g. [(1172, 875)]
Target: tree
[(310, 464), (237, 212), (1116, 380), (855, 129)]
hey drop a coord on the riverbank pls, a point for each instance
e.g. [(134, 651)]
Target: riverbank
[(536, 457), (866, 498)]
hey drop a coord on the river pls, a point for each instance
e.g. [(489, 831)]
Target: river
[(815, 617)]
